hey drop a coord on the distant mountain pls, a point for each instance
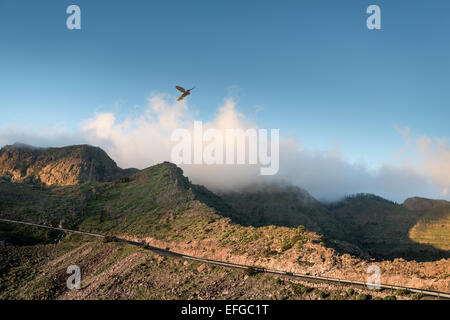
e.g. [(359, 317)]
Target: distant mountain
[(279, 204), (58, 166), (433, 227), (361, 224), (384, 228), (420, 204)]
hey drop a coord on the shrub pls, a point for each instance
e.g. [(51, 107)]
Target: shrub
[(305, 263), (322, 295), (122, 180), (107, 239), (300, 289), (401, 292), (417, 296), (286, 244), (301, 229), (350, 292), (363, 296), (390, 298), (250, 271), (268, 252)]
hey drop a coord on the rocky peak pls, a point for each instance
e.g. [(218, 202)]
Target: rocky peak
[(62, 166)]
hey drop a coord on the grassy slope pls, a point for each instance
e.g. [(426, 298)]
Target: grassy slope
[(47, 205), (161, 203), (155, 202), (281, 205), (433, 228)]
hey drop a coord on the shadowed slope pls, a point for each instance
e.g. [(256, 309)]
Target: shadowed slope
[(383, 227)]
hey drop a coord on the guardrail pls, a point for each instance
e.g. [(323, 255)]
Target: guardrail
[(438, 294)]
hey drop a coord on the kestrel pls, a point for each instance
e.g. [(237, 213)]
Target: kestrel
[(185, 92)]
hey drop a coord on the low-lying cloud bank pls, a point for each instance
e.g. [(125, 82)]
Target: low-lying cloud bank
[(145, 140)]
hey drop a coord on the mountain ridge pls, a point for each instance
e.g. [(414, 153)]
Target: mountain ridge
[(154, 199), (69, 165)]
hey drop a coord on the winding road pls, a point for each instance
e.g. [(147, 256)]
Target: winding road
[(439, 294)]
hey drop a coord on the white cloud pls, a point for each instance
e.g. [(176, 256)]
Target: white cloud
[(434, 160), (42, 137), (140, 141), (327, 175), (144, 140)]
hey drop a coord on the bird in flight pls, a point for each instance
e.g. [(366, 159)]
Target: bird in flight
[(185, 92)]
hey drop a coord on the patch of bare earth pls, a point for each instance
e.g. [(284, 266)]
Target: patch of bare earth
[(322, 261)]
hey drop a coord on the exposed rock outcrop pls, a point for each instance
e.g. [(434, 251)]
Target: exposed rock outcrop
[(58, 166)]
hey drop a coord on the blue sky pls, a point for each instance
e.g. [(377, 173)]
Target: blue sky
[(312, 67)]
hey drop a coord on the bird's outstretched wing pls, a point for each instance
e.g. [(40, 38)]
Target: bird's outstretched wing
[(182, 96), (181, 89)]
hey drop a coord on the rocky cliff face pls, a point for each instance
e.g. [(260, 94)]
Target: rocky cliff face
[(61, 166)]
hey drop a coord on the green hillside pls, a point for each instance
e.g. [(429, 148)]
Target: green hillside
[(433, 227), (158, 201), (281, 205), (384, 227)]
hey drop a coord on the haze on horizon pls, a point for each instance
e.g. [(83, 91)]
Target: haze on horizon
[(358, 110)]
